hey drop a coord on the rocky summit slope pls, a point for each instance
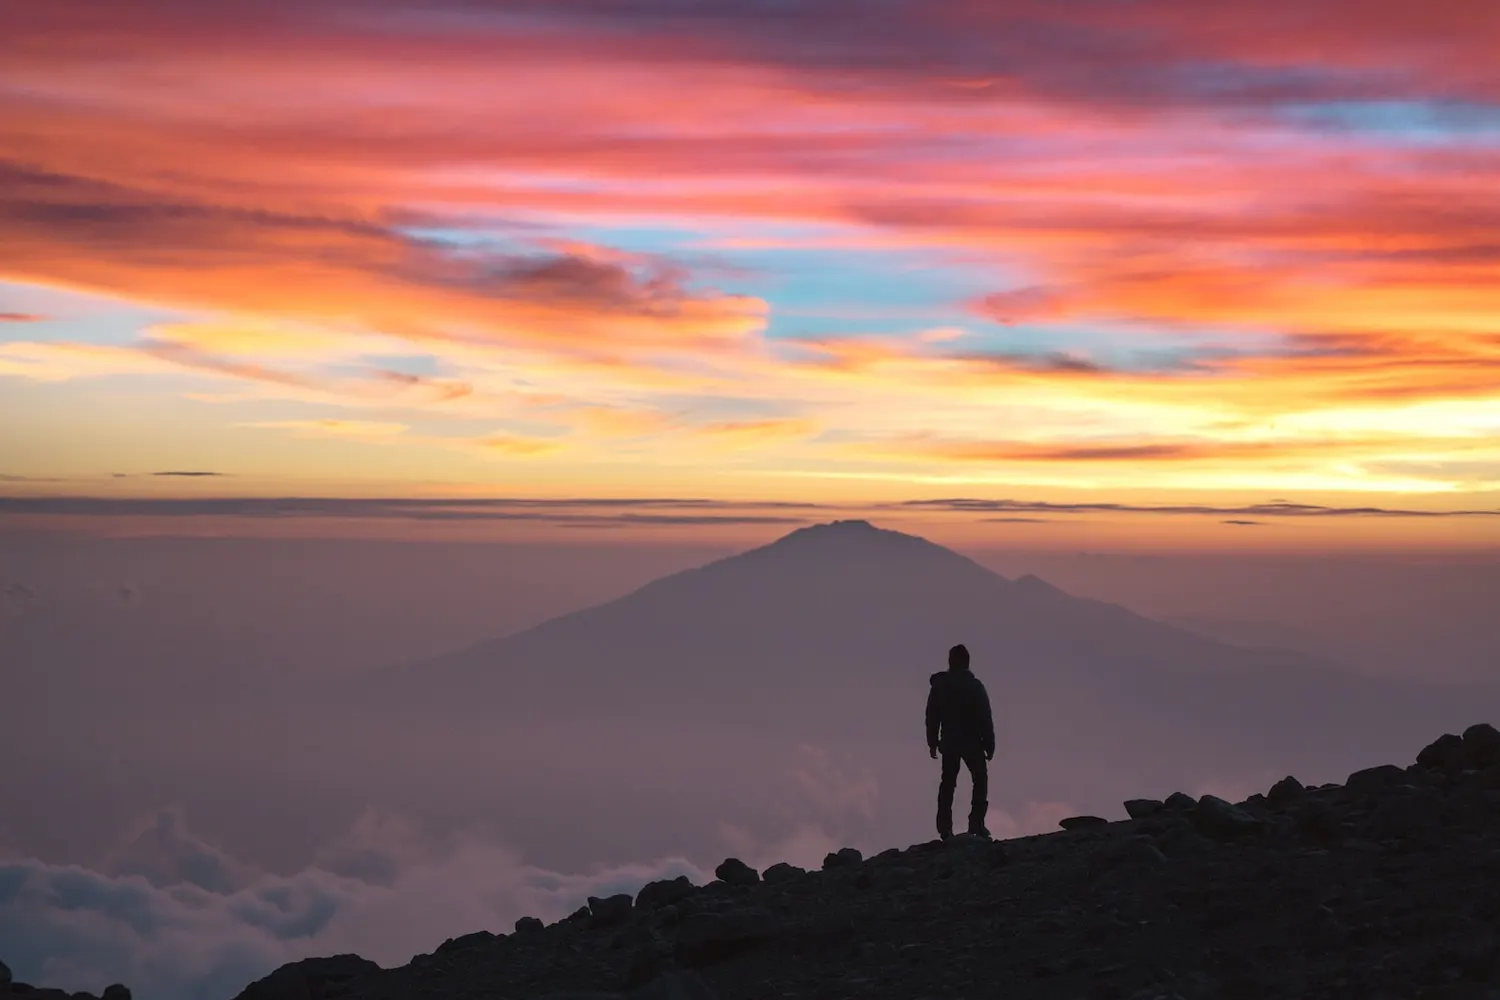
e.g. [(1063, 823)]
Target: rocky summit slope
[(1382, 887)]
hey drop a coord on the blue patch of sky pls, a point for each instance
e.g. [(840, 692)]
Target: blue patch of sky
[(498, 238), (75, 316), (1434, 122), (821, 291), (425, 365), (828, 292)]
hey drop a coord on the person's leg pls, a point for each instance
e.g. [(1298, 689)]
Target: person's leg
[(946, 785), (979, 804)]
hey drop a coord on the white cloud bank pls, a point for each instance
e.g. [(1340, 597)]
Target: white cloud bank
[(176, 919)]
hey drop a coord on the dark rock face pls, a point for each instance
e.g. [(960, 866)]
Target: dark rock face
[(1220, 820), (1373, 779), (474, 940), (5, 979), (733, 871), (1285, 792), (611, 911), (1141, 808), (1082, 822), (115, 991), (1444, 753), (1366, 889), (528, 925), (713, 937), (665, 892), (1482, 745), (842, 858), (781, 872), (311, 979)]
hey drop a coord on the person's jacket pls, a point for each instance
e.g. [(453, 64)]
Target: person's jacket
[(958, 713)]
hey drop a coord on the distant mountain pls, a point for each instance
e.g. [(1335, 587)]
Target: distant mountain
[(829, 633)]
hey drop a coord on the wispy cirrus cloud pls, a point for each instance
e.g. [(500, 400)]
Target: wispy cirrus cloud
[(1272, 509), (567, 512)]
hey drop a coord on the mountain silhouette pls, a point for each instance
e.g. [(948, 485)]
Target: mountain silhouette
[(829, 633)]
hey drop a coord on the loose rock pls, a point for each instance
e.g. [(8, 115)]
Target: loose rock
[(310, 978), (1220, 820), (842, 858), (733, 871), (1373, 779), (782, 872), (664, 892), (1285, 792), (610, 911)]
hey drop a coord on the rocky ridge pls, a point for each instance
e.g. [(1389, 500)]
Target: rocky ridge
[(1378, 888)]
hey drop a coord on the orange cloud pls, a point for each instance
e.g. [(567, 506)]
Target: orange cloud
[(1299, 200), (362, 430)]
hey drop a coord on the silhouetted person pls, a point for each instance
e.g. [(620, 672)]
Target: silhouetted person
[(960, 725)]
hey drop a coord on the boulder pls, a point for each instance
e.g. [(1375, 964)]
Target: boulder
[(664, 892), (5, 979), (1285, 792), (1082, 822), (528, 925), (1446, 753), (842, 858), (1374, 779), (474, 940), (1141, 808), (611, 910), (1180, 802), (310, 979), (733, 871), (115, 991), (1220, 820), (782, 872), (713, 937), (1481, 743)]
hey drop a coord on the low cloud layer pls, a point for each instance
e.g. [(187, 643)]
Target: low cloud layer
[(664, 511), (175, 918), (1274, 509)]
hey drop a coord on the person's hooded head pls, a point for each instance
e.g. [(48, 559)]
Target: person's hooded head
[(958, 658)]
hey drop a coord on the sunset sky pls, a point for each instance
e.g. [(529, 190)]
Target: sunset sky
[(840, 253)]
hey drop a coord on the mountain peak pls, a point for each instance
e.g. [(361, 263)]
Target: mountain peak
[(856, 538), (855, 530), (852, 526)]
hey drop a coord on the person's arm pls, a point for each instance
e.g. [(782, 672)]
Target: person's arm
[(986, 723), (934, 718)]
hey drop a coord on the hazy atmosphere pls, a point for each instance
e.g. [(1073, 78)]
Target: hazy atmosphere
[(461, 458)]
